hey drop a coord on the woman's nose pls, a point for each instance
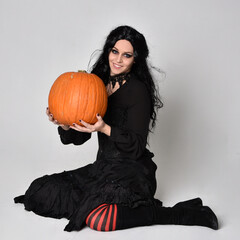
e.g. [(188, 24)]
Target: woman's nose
[(119, 58)]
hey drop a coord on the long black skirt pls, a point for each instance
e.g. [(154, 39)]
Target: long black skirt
[(74, 194)]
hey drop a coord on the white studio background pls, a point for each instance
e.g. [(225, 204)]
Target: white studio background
[(196, 141)]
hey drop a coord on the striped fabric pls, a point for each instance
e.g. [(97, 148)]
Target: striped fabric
[(103, 218)]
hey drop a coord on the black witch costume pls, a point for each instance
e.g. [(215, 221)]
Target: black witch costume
[(123, 173)]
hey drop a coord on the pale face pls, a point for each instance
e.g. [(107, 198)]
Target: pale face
[(121, 57)]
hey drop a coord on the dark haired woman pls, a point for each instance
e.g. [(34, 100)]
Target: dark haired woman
[(117, 190)]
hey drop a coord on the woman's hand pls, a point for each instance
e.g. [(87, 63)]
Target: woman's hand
[(51, 119), (99, 126)]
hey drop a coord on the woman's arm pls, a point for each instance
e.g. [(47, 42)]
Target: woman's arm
[(72, 136), (132, 139)]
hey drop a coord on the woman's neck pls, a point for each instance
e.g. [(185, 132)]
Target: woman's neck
[(120, 78)]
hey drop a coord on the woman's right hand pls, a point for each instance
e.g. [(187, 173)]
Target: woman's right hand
[(51, 119)]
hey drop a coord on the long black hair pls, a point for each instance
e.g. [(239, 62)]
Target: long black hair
[(140, 67)]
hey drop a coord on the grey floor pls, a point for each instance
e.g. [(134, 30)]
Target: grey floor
[(19, 224), (16, 223)]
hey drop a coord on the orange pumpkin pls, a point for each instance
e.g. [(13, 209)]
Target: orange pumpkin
[(77, 95)]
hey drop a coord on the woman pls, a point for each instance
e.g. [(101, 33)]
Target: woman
[(117, 190)]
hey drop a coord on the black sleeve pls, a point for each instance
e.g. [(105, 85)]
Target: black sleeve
[(72, 136), (132, 140)]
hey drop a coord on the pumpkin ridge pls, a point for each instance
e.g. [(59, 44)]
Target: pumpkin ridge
[(71, 99), (85, 112), (76, 86), (96, 101), (94, 96), (102, 106), (65, 99), (103, 95), (60, 109), (105, 100), (78, 104)]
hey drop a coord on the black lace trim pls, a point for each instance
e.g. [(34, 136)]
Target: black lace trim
[(119, 78)]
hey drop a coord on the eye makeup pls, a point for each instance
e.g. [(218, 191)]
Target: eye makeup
[(126, 54)]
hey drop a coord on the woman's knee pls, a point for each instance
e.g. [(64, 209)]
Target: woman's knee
[(103, 218)]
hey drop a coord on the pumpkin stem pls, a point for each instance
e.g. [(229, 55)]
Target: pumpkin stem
[(82, 71)]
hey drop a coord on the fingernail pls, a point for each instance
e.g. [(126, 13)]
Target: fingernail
[(51, 115), (74, 124), (98, 114), (80, 120)]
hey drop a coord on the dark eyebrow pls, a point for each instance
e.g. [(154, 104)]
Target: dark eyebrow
[(124, 52)]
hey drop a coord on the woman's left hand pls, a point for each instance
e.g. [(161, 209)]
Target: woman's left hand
[(99, 126)]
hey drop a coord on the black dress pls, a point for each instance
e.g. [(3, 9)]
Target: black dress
[(123, 172)]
